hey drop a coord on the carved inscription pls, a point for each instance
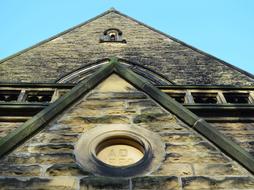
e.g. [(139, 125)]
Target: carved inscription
[(120, 155)]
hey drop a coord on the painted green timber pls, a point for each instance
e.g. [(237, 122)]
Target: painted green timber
[(200, 125), (40, 120)]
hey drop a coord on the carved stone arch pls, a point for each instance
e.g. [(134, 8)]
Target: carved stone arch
[(82, 73)]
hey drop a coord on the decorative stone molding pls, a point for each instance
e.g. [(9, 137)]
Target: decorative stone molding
[(131, 138)]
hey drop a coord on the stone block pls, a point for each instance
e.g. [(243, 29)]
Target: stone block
[(181, 138), (66, 129), (108, 119), (170, 127), (19, 170), (98, 104), (155, 110), (47, 148), (141, 103), (188, 148), (84, 112), (39, 158), (228, 183), (75, 125), (61, 183), (159, 118), (119, 111), (66, 170), (7, 127), (152, 182), (219, 169), (198, 158), (171, 169), (45, 137), (116, 95), (104, 183)]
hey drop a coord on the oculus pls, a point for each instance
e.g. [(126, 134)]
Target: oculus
[(119, 151)]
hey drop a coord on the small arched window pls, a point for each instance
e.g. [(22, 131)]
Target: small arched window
[(112, 35)]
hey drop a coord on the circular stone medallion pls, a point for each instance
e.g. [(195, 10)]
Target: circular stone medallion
[(119, 150)]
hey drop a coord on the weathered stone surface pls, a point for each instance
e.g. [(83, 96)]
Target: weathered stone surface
[(171, 169), (7, 127), (61, 183), (104, 183), (172, 127), (249, 146), (218, 169), (85, 112), (17, 170), (113, 84), (106, 119), (73, 122), (198, 147), (66, 170), (198, 157), (80, 47), (116, 95), (240, 133), (162, 183), (54, 138), (235, 127), (181, 138), (48, 148), (120, 111), (141, 103), (228, 183), (161, 118), (39, 158), (97, 104), (152, 111), (49, 153), (242, 137), (67, 129)]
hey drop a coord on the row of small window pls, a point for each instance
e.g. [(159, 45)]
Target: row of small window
[(213, 98), (29, 96), (197, 97)]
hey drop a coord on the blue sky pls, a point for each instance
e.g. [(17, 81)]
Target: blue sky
[(223, 28)]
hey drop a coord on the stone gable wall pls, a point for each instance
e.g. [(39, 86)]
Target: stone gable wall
[(80, 47), (46, 161)]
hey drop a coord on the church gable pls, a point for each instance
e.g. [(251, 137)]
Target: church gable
[(132, 41), (47, 160)]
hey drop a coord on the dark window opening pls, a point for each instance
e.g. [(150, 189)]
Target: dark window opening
[(205, 98), (39, 96), (237, 98), (112, 35), (9, 95), (179, 97)]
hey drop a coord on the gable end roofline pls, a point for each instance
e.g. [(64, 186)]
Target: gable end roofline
[(55, 36), (187, 45), (141, 23), (40, 120)]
